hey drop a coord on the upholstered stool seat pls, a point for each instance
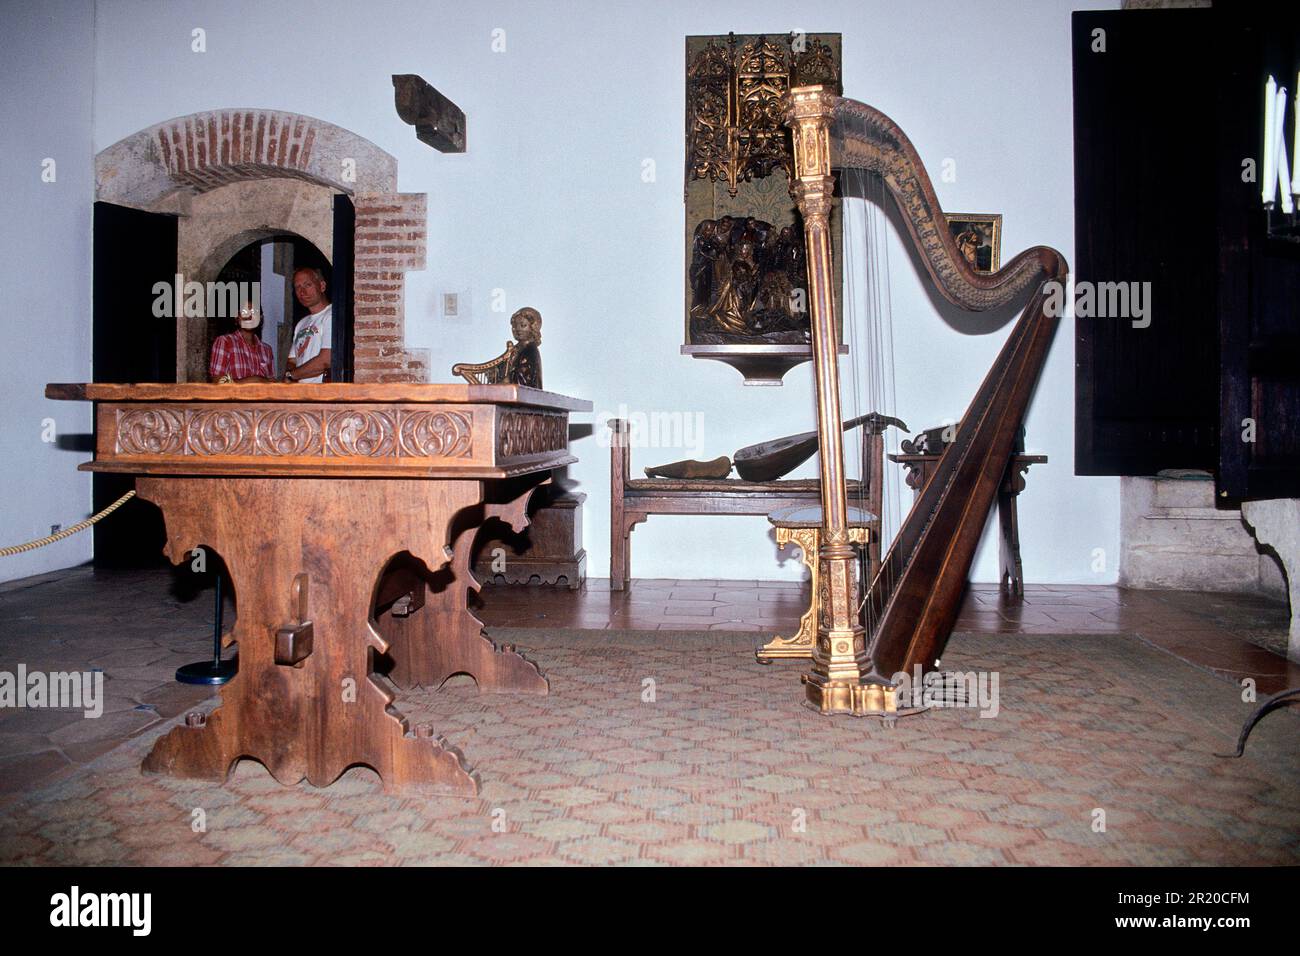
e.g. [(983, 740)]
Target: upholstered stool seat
[(810, 516)]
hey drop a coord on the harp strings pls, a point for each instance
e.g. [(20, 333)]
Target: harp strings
[(891, 516), (852, 263), (868, 322)]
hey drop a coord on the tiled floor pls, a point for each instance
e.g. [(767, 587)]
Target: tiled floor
[(140, 626), (1101, 752), (1233, 635)]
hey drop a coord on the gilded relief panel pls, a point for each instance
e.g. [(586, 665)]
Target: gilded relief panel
[(746, 271)]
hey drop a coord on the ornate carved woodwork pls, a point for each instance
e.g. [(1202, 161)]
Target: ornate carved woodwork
[(913, 600), (549, 551), (322, 431), (377, 430), (437, 636), (744, 273), (319, 532), (745, 260), (735, 88)]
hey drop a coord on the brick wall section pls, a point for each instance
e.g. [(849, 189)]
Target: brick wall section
[(208, 150), (390, 240)]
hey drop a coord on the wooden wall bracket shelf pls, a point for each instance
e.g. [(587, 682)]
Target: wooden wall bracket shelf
[(759, 364)]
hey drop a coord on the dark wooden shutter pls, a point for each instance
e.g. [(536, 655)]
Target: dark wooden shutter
[(1146, 398), (133, 250), (1259, 275)]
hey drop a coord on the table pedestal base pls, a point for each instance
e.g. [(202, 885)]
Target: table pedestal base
[(304, 556), (431, 631)]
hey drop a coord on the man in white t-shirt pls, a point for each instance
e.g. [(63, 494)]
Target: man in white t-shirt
[(309, 353)]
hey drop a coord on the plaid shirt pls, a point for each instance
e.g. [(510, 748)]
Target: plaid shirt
[(232, 355)]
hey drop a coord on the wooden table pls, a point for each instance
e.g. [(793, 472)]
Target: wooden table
[(309, 492)]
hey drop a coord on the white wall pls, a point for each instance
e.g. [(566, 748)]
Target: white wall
[(549, 204), (45, 112)]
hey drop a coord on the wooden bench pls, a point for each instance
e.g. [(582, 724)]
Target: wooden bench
[(633, 500)]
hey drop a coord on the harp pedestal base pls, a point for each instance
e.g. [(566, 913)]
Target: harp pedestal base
[(808, 540), (859, 698)]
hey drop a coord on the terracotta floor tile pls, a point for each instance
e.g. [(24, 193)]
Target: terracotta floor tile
[(28, 771), (158, 629)]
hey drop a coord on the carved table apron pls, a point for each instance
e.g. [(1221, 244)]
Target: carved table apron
[(308, 492)]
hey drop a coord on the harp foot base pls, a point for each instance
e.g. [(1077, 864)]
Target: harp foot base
[(859, 698)]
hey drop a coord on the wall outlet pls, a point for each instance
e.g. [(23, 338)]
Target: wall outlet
[(456, 305)]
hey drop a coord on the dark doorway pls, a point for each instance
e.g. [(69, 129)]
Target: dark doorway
[(1213, 382), (134, 251), (345, 223), (1146, 396), (271, 262)]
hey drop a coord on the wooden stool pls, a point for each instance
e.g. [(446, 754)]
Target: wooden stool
[(802, 526), (921, 466)]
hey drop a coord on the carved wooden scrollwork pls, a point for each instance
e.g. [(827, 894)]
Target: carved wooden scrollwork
[(915, 475), (358, 433), (271, 431), (531, 433), (1015, 479), (287, 434), (150, 431), (435, 435), (220, 432)]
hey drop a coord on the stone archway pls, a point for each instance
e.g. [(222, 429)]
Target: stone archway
[(161, 169)]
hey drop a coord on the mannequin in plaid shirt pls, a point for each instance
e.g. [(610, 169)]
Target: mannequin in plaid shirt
[(241, 354)]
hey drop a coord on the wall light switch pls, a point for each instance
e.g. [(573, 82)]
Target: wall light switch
[(450, 304)]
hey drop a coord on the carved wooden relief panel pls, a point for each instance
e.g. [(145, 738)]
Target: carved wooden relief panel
[(277, 432), (746, 272)]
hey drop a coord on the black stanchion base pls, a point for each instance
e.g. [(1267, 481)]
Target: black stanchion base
[(207, 672)]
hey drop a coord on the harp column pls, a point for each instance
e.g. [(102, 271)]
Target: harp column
[(838, 682)]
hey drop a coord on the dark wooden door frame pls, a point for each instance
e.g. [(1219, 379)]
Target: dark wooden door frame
[(341, 341)]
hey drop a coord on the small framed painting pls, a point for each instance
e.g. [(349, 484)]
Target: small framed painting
[(979, 238)]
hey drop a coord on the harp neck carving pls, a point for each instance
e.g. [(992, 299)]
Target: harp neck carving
[(865, 138)]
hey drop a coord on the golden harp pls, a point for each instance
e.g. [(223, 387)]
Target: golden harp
[(907, 613)]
